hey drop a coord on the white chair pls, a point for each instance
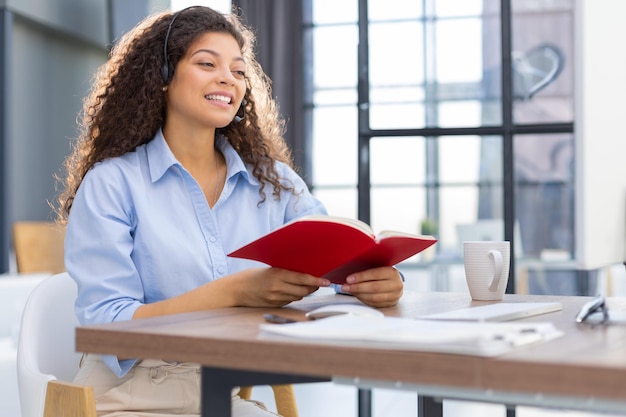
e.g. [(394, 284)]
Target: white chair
[(14, 291), (46, 356)]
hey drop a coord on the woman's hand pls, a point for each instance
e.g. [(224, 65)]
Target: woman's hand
[(257, 287), (275, 287), (377, 287)]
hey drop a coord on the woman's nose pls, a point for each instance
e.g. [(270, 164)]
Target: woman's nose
[(226, 77)]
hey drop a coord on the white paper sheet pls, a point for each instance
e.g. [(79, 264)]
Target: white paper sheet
[(497, 312), (459, 337)]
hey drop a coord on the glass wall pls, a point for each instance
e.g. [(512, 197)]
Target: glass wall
[(457, 114)]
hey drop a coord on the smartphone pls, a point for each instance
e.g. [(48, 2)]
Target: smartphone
[(273, 318)]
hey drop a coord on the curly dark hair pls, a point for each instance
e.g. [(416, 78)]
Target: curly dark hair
[(126, 105)]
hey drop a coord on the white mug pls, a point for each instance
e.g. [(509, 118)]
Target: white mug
[(487, 268)]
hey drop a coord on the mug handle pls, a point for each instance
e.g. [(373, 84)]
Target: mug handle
[(496, 257)]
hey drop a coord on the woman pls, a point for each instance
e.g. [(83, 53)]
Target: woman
[(180, 160)]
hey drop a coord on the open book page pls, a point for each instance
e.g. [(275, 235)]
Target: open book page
[(392, 233), (468, 338), (357, 224)]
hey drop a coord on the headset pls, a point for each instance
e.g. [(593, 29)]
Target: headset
[(167, 71)]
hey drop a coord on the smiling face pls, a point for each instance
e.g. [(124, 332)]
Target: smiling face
[(208, 83)]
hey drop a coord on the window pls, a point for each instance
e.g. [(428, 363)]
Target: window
[(411, 119)]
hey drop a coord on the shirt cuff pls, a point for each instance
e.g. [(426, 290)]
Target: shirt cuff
[(119, 367), (399, 272), (337, 288)]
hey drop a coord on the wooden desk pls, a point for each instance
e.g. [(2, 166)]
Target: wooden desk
[(584, 369)]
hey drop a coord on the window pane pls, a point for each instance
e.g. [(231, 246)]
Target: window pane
[(458, 205), (459, 159), (458, 8), (335, 96), (388, 66), (339, 201), (543, 61), (397, 116), (396, 80), (223, 6), (459, 58), (544, 191), (398, 208), (394, 95), (396, 161), (394, 9), (333, 11), (335, 146), (460, 114), (451, 83), (492, 64), (470, 174), (335, 56)]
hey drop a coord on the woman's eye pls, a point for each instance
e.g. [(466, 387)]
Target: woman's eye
[(207, 64), (239, 74)]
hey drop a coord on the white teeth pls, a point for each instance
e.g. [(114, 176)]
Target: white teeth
[(218, 98)]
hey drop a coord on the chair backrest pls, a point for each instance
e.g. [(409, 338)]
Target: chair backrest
[(46, 348), (38, 247)]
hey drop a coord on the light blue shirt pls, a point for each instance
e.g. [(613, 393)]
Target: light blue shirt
[(140, 230)]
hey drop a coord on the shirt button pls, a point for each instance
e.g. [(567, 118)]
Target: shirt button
[(220, 270), (213, 239)]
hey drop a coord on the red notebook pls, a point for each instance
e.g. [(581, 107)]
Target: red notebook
[(332, 247)]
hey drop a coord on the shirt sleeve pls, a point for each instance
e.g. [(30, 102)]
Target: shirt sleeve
[(98, 249)]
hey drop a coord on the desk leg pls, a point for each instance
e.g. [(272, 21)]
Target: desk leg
[(429, 407), (365, 402), (216, 397), (582, 281), (217, 385)]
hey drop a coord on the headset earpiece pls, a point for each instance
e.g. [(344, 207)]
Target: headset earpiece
[(165, 73)]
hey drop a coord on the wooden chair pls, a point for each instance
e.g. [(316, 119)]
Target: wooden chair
[(284, 397), (47, 359), (38, 246), (64, 399)]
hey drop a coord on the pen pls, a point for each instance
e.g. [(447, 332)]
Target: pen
[(521, 337), (528, 330), (273, 318)]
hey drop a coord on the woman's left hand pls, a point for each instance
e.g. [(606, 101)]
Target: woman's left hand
[(377, 287)]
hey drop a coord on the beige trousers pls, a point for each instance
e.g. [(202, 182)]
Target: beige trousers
[(153, 388)]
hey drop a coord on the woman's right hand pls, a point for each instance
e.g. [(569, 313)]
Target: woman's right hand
[(256, 287), (273, 287)]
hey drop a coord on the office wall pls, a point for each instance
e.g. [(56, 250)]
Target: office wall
[(600, 89), (50, 74), (78, 18), (50, 50)]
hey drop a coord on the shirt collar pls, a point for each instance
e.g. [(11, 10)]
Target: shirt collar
[(233, 160), (161, 158)]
